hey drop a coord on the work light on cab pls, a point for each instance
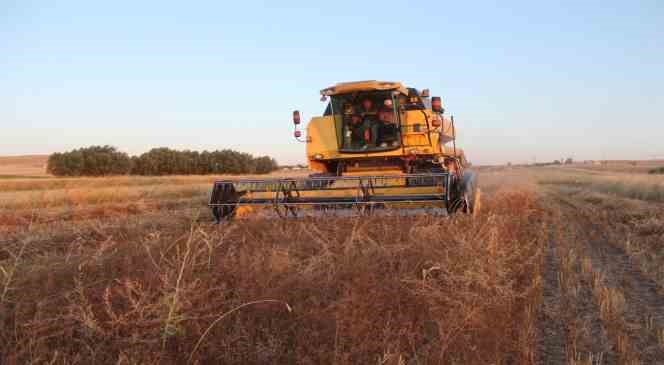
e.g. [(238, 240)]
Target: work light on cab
[(436, 104)]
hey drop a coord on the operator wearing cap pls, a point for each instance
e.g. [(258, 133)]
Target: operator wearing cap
[(367, 108), (359, 132), (369, 122), (387, 131), (354, 130)]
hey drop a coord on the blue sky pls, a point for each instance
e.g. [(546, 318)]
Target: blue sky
[(524, 80)]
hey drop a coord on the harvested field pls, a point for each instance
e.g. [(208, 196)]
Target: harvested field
[(130, 270), (23, 166), (621, 166)]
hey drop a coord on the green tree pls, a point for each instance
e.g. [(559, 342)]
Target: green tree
[(89, 161), (265, 165), (106, 160)]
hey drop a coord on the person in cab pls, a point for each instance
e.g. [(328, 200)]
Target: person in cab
[(360, 133), (369, 122), (355, 130), (387, 128), (367, 108)]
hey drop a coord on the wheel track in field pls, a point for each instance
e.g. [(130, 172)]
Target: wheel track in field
[(593, 338), (574, 319), (643, 302), (552, 333)]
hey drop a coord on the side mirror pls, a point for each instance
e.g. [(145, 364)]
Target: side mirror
[(437, 104), (297, 134), (296, 117)]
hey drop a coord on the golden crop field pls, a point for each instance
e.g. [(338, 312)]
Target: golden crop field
[(17, 166), (563, 265)]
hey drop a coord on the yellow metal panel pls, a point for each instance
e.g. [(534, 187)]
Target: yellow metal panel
[(322, 138), (413, 138), (416, 139), (349, 87)]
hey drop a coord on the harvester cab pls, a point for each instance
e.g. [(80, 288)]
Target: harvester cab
[(377, 145)]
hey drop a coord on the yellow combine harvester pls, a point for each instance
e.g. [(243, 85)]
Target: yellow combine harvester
[(377, 144)]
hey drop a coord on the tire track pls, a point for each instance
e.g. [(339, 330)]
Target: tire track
[(552, 333), (588, 311), (644, 305), (588, 339)]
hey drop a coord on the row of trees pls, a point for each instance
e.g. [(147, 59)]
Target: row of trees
[(657, 171), (107, 160)]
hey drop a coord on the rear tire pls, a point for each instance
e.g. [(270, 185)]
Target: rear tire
[(466, 195)]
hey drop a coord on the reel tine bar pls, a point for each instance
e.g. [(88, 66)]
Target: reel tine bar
[(360, 191)]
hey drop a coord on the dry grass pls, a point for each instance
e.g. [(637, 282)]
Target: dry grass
[(128, 270), (25, 201), (628, 166), (577, 278), (634, 186), (95, 196), (52, 183), (163, 285), (634, 226), (620, 222), (18, 166)]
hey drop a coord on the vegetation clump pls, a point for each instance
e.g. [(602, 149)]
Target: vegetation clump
[(657, 171), (107, 160), (89, 161)]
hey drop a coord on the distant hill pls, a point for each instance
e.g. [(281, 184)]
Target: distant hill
[(28, 165)]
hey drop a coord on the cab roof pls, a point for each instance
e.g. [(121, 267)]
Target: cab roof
[(368, 85)]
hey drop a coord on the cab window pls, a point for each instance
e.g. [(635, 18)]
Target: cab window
[(366, 121)]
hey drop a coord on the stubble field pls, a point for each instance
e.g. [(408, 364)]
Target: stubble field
[(563, 266)]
